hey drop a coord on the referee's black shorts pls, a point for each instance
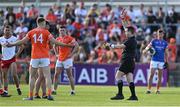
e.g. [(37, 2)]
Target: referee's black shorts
[(127, 66)]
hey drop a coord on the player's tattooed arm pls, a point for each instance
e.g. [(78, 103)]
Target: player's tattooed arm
[(21, 47), (166, 55), (55, 48), (19, 42), (146, 49), (75, 49)]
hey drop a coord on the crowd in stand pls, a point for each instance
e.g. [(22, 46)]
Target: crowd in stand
[(95, 25)]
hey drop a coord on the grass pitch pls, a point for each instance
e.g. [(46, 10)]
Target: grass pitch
[(95, 96)]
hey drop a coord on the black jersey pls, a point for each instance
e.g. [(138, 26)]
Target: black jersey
[(130, 49)]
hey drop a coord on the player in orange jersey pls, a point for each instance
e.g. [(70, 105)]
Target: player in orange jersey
[(65, 60), (40, 81), (40, 38)]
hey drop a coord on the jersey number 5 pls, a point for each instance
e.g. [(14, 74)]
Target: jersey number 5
[(39, 38)]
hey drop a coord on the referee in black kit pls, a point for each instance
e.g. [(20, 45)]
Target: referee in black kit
[(127, 62)]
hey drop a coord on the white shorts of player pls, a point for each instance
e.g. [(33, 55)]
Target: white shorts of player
[(65, 64), (42, 62), (156, 65)]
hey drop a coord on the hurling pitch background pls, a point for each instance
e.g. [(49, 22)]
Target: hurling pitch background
[(95, 96)]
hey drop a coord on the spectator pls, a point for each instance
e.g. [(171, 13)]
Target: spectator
[(51, 17), (21, 30), (19, 15), (131, 13), (102, 34), (33, 12), (140, 38), (25, 20), (32, 22), (59, 13), (102, 57), (54, 7), (107, 15), (68, 13), (117, 12), (110, 55), (115, 58), (73, 6), (172, 50), (92, 57), (90, 23), (69, 26), (178, 43), (93, 12), (146, 29), (11, 17), (80, 57), (81, 12), (115, 31), (25, 8), (151, 18), (175, 14), (140, 13), (160, 15), (78, 27), (88, 41), (1, 21), (170, 18)]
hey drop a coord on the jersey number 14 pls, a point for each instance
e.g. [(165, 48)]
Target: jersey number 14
[(38, 38)]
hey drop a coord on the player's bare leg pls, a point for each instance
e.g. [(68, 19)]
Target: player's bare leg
[(118, 77), (71, 79), (152, 72), (159, 81), (129, 77), (47, 75), (43, 87), (37, 86), (1, 89), (58, 71), (5, 78), (2, 92), (40, 82), (15, 76), (32, 80)]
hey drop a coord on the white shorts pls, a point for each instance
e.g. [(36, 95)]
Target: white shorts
[(65, 64), (156, 65), (42, 62)]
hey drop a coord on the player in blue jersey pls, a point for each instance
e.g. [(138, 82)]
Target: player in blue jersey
[(158, 60)]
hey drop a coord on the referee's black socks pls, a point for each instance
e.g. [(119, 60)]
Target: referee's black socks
[(132, 88), (120, 86)]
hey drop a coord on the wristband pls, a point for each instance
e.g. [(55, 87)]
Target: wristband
[(112, 45)]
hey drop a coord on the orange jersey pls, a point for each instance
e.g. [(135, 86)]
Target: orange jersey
[(39, 38), (64, 51)]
